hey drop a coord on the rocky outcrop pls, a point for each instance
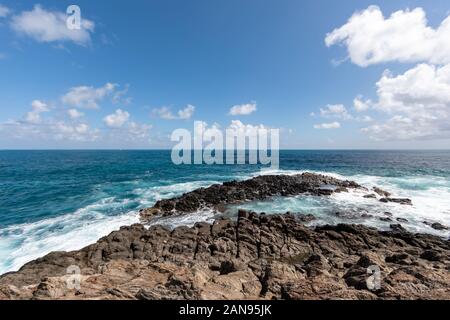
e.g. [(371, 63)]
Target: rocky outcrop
[(381, 192), (258, 188), (403, 201), (253, 257), (436, 225)]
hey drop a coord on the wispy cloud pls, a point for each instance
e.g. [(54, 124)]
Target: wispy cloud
[(182, 114), (331, 125), (243, 109), (4, 11), (87, 96)]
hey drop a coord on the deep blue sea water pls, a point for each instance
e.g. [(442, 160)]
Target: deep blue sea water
[(64, 200)]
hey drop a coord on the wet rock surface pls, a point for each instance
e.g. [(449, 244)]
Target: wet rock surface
[(258, 188), (403, 201), (255, 257)]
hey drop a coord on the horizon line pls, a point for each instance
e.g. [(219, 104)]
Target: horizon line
[(284, 149)]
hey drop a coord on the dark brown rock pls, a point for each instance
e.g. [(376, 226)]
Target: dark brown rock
[(381, 192), (256, 257), (439, 226), (258, 188), (402, 201)]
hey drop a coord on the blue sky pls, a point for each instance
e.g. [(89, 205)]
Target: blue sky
[(139, 69)]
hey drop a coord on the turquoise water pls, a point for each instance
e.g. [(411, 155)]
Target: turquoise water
[(64, 200)]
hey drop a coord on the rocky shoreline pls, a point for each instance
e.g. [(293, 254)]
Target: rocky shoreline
[(259, 188), (254, 256)]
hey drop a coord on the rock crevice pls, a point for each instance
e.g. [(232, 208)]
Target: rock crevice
[(225, 260)]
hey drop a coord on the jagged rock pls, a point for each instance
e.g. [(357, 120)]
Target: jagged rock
[(255, 257), (257, 188), (381, 192), (435, 225), (397, 227), (306, 217), (438, 226), (397, 200), (431, 255)]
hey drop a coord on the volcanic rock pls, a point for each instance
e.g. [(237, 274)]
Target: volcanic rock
[(258, 188), (402, 201), (253, 257)]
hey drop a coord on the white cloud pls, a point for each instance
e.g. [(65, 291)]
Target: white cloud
[(51, 130), (243, 109), (331, 125), (339, 111), (38, 107), (50, 26), (417, 102), (183, 114), (405, 36), (129, 132), (87, 96), (117, 119), (4, 11), (361, 105), (34, 130), (139, 131), (73, 132), (187, 112), (74, 113), (335, 111), (164, 113)]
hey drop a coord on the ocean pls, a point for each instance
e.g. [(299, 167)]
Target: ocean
[(65, 200)]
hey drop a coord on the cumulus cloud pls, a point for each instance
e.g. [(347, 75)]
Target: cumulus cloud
[(38, 107), (361, 105), (182, 114), (73, 132), (331, 125), (74, 113), (335, 111), (4, 11), (405, 36), (138, 131), (87, 96), (117, 119), (243, 109), (120, 131), (417, 103), (186, 113), (50, 26), (51, 130)]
